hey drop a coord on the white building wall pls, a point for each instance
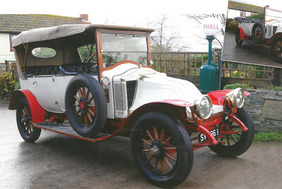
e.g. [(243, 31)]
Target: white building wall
[(237, 13), (5, 53)]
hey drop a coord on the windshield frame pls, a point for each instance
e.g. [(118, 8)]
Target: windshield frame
[(100, 48)]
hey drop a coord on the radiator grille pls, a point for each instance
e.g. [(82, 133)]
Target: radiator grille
[(131, 88), (274, 29), (120, 99)]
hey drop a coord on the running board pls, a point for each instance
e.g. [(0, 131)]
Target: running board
[(68, 130)]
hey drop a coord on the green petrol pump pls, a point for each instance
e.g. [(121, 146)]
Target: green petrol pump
[(209, 72)]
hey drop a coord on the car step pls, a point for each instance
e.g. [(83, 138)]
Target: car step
[(68, 130)]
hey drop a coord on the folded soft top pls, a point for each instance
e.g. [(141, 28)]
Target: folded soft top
[(49, 33)]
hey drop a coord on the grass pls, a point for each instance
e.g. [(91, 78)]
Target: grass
[(268, 137)]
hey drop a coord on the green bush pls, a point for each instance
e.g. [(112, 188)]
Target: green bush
[(237, 85), (277, 88), (7, 84), (257, 16), (231, 25), (268, 137)]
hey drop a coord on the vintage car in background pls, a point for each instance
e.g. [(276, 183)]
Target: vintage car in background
[(93, 82), (267, 31)]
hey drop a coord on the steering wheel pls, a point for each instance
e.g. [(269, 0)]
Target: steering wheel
[(90, 57)]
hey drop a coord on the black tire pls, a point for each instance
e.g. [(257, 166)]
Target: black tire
[(258, 33), (276, 49), (86, 105), (237, 144), (168, 170), (24, 122), (238, 39)]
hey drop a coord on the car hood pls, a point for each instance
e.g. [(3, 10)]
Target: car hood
[(159, 87)]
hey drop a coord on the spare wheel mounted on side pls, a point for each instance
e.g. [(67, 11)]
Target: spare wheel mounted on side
[(258, 32), (86, 105)]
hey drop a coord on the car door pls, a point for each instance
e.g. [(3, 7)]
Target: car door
[(43, 88)]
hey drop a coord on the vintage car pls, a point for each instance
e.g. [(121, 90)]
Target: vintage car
[(93, 82), (267, 31)]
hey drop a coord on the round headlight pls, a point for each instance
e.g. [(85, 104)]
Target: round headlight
[(204, 107), (236, 97)]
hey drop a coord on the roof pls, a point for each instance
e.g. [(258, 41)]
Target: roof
[(49, 33), (245, 7), (16, 23)]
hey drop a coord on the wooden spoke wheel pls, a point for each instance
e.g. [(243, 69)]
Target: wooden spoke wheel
[(258, 33), (86, 105), (159, 150), (276, 49), (232, 145), (24, 122), (162, 149)]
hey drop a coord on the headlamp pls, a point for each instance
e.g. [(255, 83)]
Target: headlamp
[(204, 107), (236, 97)]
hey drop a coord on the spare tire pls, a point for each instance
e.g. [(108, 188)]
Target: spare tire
[(258, 33), (86, 105)]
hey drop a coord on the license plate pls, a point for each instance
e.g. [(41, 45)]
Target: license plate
[(214, 132)]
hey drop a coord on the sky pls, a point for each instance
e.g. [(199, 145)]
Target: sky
[(129, 12), (189, 33), (276, 4)]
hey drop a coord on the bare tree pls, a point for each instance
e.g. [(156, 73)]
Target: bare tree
[(163, 39)]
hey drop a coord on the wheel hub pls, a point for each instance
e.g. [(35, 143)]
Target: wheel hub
[(83, 105), (154, 151), (25, 119), (157, 150)]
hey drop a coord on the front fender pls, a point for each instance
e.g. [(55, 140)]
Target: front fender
[(217, 97), (37, 112), (175, 108)]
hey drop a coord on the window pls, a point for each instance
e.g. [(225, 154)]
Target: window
[(43, 52), (121, 47), (87, 53)]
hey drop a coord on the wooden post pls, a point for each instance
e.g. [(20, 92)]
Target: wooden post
[(276, 77)]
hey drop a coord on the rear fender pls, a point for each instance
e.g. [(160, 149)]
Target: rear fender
[(218, 97), (242, 34), (37, 112)]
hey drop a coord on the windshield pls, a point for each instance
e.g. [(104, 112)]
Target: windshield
[(120, 47)]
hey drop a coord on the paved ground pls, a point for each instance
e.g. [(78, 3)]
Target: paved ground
[(247, 53), (57, 161)]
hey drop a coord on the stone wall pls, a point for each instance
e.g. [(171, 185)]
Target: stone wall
[(266, 109)]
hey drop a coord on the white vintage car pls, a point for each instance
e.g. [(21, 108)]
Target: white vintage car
[(94, 82), (267, 31)]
